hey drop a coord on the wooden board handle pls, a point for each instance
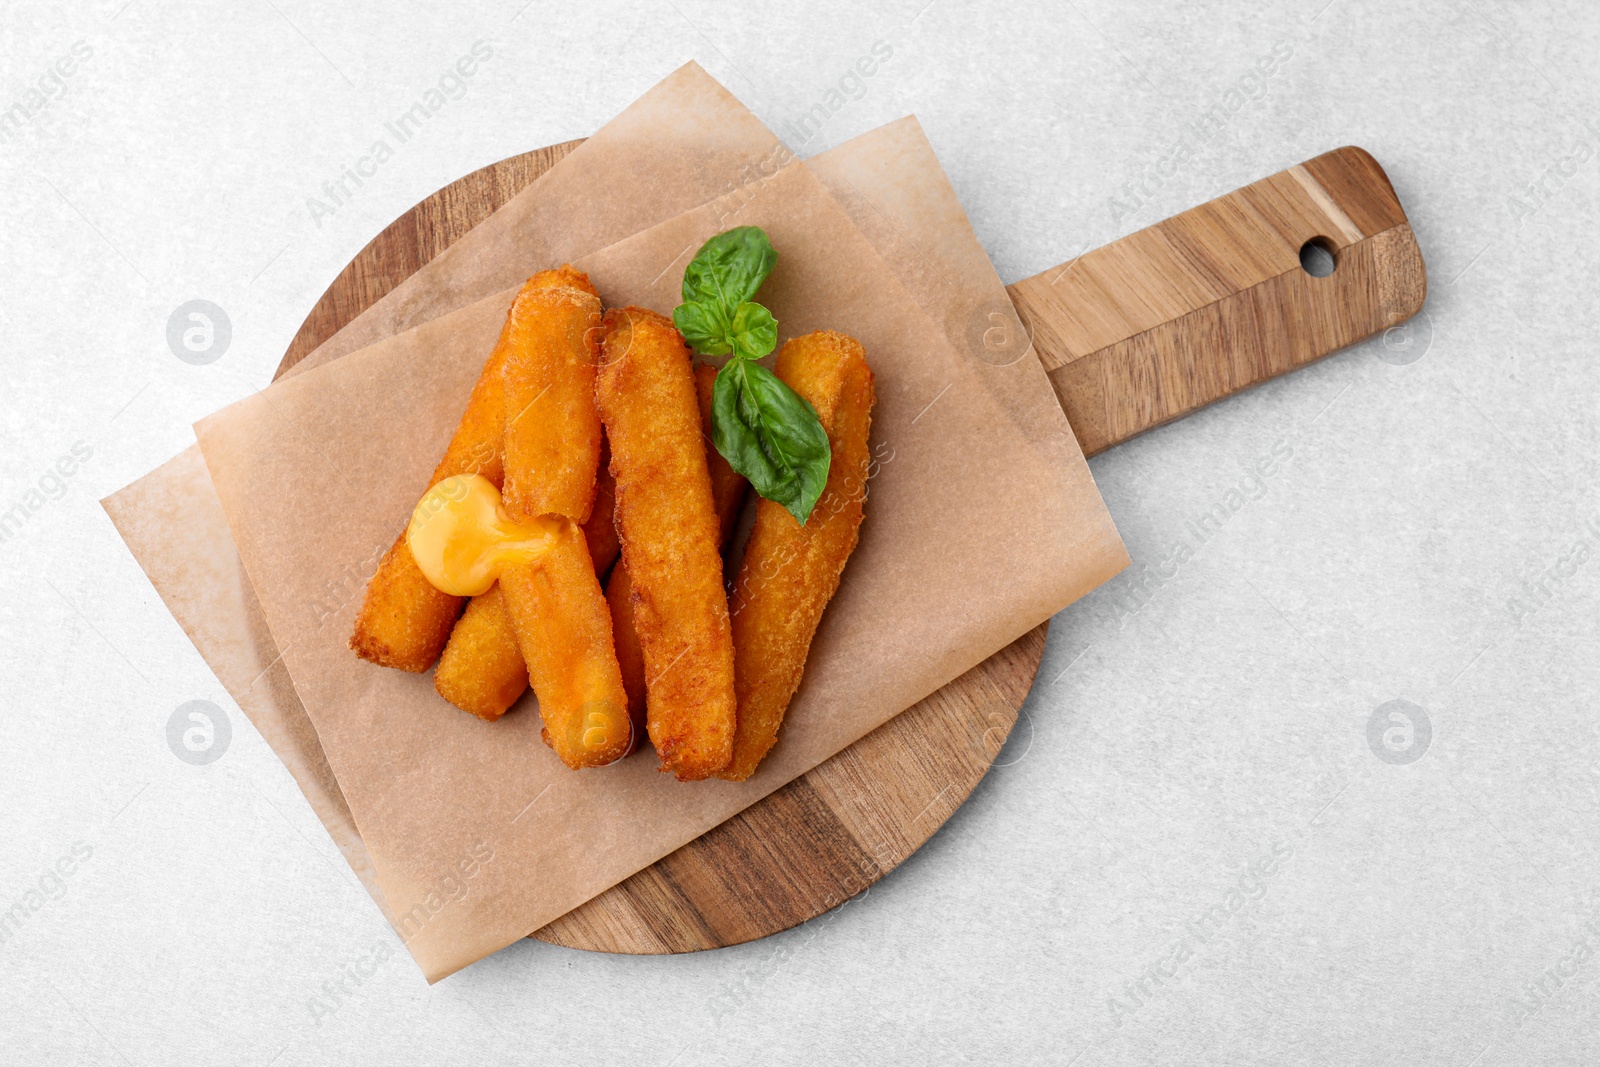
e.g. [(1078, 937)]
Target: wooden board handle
[(1214, 300)]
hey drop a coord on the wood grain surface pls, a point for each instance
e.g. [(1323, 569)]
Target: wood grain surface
[(1214, 300), (1134, 334)]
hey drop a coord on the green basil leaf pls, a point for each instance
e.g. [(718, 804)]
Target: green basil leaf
[(771, 435), (704, 327), (736, 433), (729, 269), (754, 331)]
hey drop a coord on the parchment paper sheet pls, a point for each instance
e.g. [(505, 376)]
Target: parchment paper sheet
[(679, 145), (992, 524), (685, 141)]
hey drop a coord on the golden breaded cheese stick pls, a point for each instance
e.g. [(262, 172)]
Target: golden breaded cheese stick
[(564, 630), (669, 533), (474, 673), (600, 530), (625, 636), (552, 433), (404, 621), (790, 572), (560, 617), (482, 670), (727, 497)]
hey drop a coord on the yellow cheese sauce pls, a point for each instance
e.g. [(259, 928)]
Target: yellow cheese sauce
[(461, 535)]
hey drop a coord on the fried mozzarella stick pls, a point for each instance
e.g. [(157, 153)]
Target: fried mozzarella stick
[(600, 531), (482, 670), (404, 621), (552, 434), (558, 613), (727, 497), (669, 534), (790, 572), (564, 630)]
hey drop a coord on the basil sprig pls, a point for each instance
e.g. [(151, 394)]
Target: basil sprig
[(765, 430)]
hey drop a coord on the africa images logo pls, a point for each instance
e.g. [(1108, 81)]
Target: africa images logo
[(1399, 732), (199, 332), (198, 732)]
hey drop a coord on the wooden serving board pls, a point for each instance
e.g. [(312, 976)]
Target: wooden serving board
[(1134, 334)]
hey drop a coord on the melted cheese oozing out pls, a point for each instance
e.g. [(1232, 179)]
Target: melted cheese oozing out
[(461, 536)]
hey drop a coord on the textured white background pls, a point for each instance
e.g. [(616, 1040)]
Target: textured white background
[(1171, 741)]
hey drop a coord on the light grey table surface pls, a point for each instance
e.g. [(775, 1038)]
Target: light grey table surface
[(1205, 843)]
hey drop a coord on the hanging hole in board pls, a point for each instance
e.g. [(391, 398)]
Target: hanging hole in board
[(1318, 258)]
